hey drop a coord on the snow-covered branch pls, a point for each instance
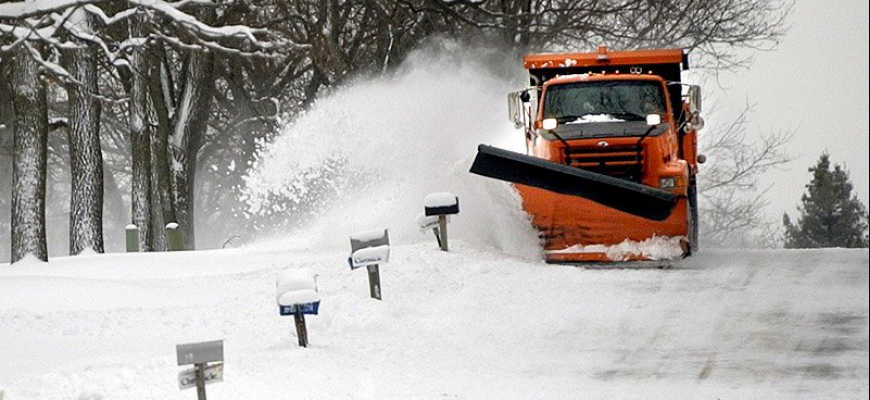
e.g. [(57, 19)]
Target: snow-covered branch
[(205, 35), (107, 20), (60, 72), (27, 9), (206, 45)]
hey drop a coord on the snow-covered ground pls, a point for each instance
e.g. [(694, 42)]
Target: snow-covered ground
[(486, 320), (466, 324)]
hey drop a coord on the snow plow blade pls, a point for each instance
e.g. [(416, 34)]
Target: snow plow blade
[(633, 198)]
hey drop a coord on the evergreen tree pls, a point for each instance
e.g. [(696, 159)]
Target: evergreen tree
[(831, 216)]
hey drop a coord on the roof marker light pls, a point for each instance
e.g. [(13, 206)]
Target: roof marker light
[(602, 53)]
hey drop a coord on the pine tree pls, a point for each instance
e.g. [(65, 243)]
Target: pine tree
[(831, 216)]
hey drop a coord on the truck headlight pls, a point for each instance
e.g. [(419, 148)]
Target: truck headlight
[(670, 182)]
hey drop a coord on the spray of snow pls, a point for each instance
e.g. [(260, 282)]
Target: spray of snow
[(367, 156), (595, 118), (654, 248)]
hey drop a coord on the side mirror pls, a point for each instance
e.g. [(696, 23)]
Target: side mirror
[(694, 98), (696, 123), (517, 104)]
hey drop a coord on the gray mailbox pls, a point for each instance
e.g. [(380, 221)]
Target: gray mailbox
[(200, 353)]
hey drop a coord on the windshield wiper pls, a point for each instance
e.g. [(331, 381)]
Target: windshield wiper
[(628, 116), (568, 118)]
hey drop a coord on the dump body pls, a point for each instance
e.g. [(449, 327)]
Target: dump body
[(619, 117)]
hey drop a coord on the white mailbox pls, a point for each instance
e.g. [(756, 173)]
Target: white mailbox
[(369, 249)]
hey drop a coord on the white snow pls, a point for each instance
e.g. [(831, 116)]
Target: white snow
[(296, 279), (387, 143), (440, 199), (468, 324), (298, 297), (595, 118), (19, 9), (569, 62), (369, 235), (487, 320), (654, 248)]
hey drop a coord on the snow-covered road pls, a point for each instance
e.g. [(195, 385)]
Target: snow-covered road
[(468, 324)]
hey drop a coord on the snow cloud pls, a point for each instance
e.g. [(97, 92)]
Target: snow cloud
[(366, 156)]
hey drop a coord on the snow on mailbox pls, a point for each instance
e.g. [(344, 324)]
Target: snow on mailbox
[(442, 203), (369, 249), (297, 295), (438, 205)]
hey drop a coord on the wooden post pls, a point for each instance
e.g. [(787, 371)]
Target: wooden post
[(374, 281), (442, 227), (200, 381), (301, 330), (132, 238), (442, 205)]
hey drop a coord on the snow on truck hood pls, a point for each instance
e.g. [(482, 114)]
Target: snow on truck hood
[(595, 118)]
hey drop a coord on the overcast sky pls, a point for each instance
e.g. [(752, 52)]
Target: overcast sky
[(816, 84)]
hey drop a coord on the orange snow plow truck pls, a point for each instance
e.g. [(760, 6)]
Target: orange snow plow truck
[(611, 140)]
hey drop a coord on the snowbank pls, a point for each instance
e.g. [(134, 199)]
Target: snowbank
[(468, 324)]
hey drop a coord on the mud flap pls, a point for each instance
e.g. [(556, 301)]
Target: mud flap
[(633, 198)]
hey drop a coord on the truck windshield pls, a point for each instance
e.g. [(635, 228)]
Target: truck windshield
[(603, 101)]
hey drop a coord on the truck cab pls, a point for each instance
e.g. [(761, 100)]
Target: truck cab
[(621, 114)]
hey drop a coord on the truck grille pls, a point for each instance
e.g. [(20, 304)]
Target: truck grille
[(624, 162)]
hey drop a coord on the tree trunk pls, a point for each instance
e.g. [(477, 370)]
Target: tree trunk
[(163, 208), (141, 139), (7, 118), (30, 158), (86, 159), (190, 124)]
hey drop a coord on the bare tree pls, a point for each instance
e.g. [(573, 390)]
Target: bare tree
[(733, 202), (190, 87)]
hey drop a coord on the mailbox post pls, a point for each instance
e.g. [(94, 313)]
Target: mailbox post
[(200, 354), (441, 204), (369, 249)]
